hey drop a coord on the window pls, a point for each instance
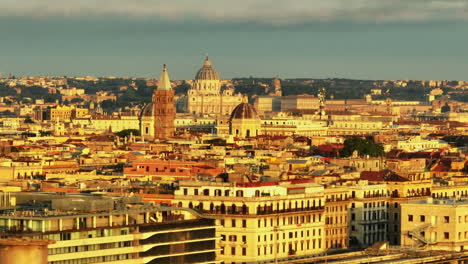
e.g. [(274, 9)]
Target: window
[(244, 251), (65, 236), (233, 251), (446, 219), (353, 217), (244, 239), (446, 235), (410, 218), (244, 223), (422, 218), (233, 222)]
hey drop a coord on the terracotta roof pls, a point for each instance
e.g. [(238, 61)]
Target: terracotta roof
[(244, 111), (373, 175)]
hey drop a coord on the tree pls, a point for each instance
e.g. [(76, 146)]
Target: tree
[(76, 100), (45, 133), (182, 88), (28, 120), (362, 146), (7, 113), (127, 132)]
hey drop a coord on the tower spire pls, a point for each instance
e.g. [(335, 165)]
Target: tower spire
[(164, 81), (163, 107)]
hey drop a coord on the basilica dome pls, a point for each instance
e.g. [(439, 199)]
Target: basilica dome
[(207, 72), (244, 111)]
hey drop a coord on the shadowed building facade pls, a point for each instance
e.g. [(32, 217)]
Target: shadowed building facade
[(104, 229)]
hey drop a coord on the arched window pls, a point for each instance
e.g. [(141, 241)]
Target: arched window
[(245, 209)]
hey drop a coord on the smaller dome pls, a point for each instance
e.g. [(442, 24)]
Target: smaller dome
[(207, 72), (244, 111), (147, 110)]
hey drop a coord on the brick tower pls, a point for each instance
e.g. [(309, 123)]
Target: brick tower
[(164, 110)]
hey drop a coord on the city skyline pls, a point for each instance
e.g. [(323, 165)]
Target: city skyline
[(307, 131)]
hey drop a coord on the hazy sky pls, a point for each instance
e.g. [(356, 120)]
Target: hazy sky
[(371, 39)]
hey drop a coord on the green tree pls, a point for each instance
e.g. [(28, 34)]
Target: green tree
[(127, 132), (28, 120), (362, 146), (182, 88), (7, 113), (76, 100)]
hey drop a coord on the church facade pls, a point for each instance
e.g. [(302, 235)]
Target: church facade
[(205, 97)]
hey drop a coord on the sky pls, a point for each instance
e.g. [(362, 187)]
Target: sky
[(359, 39)]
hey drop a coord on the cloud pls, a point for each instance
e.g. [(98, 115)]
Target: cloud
[(260, 11)]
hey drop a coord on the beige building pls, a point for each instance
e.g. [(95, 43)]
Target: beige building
[(66, 113), (450, 191), (72, 91), (299, 102), (438, 224), (336, 217), (368, 214), (206, 97), (115, 123), (265, 104), (261, 222), (19, 169), (361, 163), (417, 143)]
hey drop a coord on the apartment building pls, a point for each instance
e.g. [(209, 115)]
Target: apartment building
[(119, 230), (438, 224), (368, 214), (261, 222), (337, 201)]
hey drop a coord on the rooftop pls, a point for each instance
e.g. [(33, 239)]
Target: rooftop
[(445, 201)]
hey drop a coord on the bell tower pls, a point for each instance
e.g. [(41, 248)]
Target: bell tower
[(164, 109)]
